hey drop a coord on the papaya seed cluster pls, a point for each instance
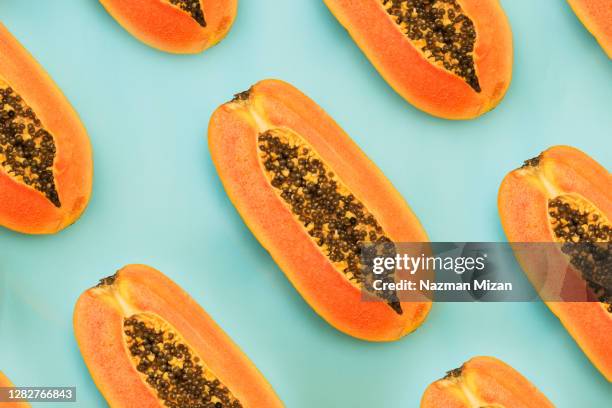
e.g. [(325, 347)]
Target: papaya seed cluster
[(170, 367), (442, 31), (27, 150), (193, 8), (333, 217), (587, 238)]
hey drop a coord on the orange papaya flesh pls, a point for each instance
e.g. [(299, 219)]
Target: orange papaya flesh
[(6, 383), (484, 382), (147, 343), (565, 196), (596, 16), (46, 165), (176, 26), (311, 197), (449, 58)]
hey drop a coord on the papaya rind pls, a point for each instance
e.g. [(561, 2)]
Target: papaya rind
[(232, 142), (6, 382), (166, 27), (490, 381), (23, 208), (423, 84), (596, 16), (523, 210), (98, 327)]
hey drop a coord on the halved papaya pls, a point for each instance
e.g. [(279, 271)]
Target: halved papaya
[(46, 166), (565, 196), (484, 382), (596, 15), (147, 343), (449, 58), (312, 198), (6, 383), (176, 26)]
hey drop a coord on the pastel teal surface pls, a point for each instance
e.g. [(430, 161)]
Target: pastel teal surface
[(157, 198)]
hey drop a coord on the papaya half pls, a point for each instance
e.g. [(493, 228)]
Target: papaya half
[(46, 165), (564, 196), (176, 26), (449, 58), (6, 383), (147, 343), (312, 198), (484, 382), (596, 16)]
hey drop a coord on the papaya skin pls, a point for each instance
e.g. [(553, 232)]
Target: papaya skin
[(232, 136), (596, 16), (483, 382), (429, 87), (22, 208), (166, 27), (523, 209), (98, 326), (5, 382)]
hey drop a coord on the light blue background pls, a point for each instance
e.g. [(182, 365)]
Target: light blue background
[(158, 200)]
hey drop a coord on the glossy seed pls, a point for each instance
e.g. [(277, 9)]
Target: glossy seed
[(587, 237), (27, 149), (193, 8), (335, 219), (442, 31), (170, 367)]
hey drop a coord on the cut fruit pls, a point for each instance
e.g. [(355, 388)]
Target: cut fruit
[(484, 382), (312, 198), (564, 196), (596, 15), (46, 165), (176, 26), (449, 58), (147, 343), (5, 383)]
